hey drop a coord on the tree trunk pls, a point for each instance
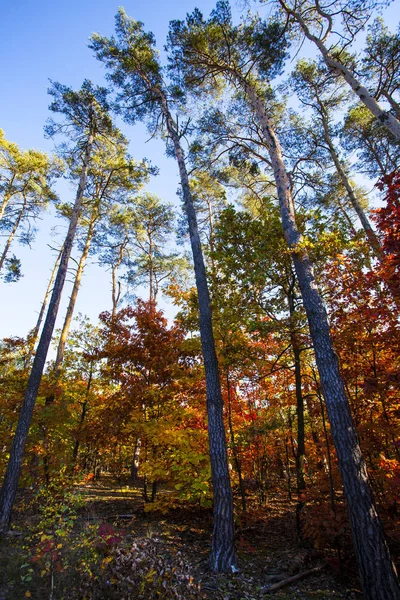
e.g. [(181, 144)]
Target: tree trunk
[(395, 105), (82, 417), (35, 333), (289, 477), (383, 116), (378, 574), (115, 285), (72, 300), (135, 460), (234, 447), (328, 446), (153, 490), (300, 454), (369, 232), (152, 295), (12, 233), (222, 556), (7, 197), (10, 483)]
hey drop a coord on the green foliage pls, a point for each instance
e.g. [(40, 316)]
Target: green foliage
[(380, 63), (131, 395), (26, 189), (204, 53), (13, 270), (377, 151), (83, 111), (134, 66)]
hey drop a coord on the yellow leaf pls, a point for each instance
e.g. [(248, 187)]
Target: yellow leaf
[(28, 594)]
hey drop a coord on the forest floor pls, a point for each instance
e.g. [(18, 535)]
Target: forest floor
[(111, 548)]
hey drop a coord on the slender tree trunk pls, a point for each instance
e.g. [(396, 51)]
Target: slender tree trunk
[(378, 574), (35, 332), (153, 490), (115, 290), (77, 441), (222, 556), (395, 105), (328, 447), (234, 447), (369, 232), (310, 410), (10, 483), (115, 285), (383, 116), (12, 234), (4, 204), (82, 417), (135, 460), (152, 295), (72, 300), (289, 477), (300, 454), (347, 217), (6, 197)]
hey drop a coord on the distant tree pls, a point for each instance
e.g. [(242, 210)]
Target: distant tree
[(26, 179), (34, 333), (319, 91), (85, 121), (112, 176), (146, 358), (259, 282), (387, 219), (152, 223), (380, 64), (248, 56), (377, 150), (317, 23), (136, 72)]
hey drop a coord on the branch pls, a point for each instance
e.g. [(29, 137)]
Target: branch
[(270, 589)]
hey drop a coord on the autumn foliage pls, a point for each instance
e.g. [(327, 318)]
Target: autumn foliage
[(276, 382)]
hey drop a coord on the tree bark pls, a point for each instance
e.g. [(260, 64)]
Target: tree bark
[(378, 574), (328, 446), (72, 300), (135, 460), (300, 454), (114, 283), (35, 332), (222, 555), (234, 447), (82, 417), (10, 483)]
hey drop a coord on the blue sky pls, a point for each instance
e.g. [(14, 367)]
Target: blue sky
[(42, 40)]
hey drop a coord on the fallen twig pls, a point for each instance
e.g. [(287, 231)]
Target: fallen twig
[(269, 589)]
